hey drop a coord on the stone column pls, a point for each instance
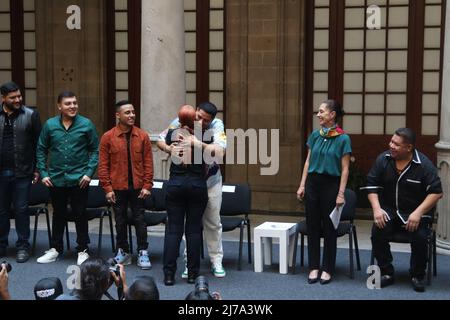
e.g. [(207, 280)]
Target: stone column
[(443, 147), (163, 70)]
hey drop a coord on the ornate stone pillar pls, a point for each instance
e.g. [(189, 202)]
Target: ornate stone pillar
[(443, 146), (163, 70)]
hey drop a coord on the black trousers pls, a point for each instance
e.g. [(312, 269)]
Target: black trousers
[(418, 239), (186, 201), (77, 198), (320, 195), (123, 199)]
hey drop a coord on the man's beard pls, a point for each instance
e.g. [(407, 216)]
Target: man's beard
[(10, 107)]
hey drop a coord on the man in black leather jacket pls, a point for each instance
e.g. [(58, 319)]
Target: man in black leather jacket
[(19, 131)]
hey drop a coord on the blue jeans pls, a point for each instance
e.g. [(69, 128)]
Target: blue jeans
[(14, 195)]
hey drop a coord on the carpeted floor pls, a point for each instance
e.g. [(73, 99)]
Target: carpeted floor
[(239, 285)]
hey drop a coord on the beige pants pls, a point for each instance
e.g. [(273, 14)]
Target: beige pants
[(212, 228)]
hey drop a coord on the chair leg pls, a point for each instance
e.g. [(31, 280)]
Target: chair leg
[(241, 240), (202, 246), (33, 246), (434, 254), (166, 229), (130, 238), (111, 232), (100, 236), (350, 252), (355, 239), (302, 250), (430, 257), (67, 236), (49, 230), (249, 242), (294, 254)]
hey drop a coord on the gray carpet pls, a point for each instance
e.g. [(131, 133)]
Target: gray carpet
[(239, 285)]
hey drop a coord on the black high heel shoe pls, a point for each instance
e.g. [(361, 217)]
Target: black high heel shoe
[(314, 280), (325, 281)]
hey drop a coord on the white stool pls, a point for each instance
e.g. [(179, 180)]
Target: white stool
[(285, 232)]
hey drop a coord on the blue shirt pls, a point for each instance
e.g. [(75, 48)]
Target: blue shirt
[(327, 153)]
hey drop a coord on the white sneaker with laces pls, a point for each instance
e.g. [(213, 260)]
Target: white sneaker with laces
[(82, 257), (218, 270), (122, 257), (144, 260), (49, 256)]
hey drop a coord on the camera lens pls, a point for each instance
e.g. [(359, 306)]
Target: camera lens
[(201, 284), (112, 263), (6, 265)]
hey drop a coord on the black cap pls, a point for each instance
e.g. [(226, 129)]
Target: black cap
[(48, 289)]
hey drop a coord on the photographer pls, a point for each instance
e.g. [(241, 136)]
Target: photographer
[(96, 277), (48, 289), (201, 291), (4, 293), (143, 288)]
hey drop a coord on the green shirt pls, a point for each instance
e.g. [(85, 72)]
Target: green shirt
[(327, 153), (71, 154)]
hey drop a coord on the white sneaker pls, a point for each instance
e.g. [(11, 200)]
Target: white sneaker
[(82, 257), (144, 260), (49, 256), (218, 270), (122, 257)]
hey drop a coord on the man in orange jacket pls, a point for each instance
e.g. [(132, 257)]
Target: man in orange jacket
[(126, 174)]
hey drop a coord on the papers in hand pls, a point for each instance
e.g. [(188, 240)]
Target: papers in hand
[(335, 215)]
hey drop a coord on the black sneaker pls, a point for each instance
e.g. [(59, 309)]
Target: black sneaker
[(22, 256), (386, 280), (418, 284)]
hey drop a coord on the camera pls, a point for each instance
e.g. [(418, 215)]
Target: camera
[(201, 284), (6, 265), (114, 267), (201, 291)]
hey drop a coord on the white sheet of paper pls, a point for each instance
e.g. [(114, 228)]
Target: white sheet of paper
[(94, 182), (229, 189), (335, 215), (157, 185)]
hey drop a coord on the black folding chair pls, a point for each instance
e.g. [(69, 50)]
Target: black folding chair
[(38, 204), (236, 206), (97, 208), (403, 236), (345, 227), (155, 210)]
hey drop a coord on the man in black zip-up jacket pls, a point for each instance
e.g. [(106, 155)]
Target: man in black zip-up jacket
[(403, 189), (19, 131)]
